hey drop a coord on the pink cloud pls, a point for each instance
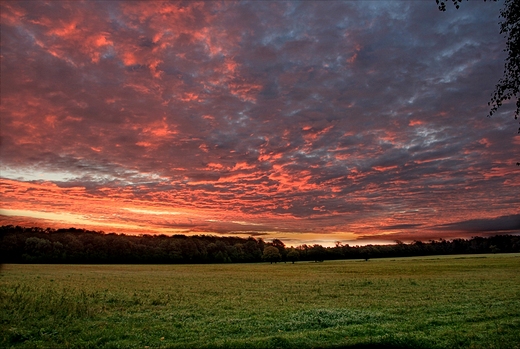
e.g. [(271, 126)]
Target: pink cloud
[(241, 117)]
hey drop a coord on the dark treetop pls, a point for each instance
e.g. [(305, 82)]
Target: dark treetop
[(37, 245)]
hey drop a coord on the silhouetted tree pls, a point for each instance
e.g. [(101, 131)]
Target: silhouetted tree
[(37, 249), (36, 245), (317, 253), (280, 246), (494, 249), (271, 254), (293, 255), (253, 249)]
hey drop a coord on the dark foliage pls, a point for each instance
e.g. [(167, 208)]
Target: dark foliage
[(271, 254), (508, 86), (37, 245)]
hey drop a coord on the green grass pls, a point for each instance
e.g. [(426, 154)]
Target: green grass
[(430, 302)]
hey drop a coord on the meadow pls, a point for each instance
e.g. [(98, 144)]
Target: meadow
[(470, 301)]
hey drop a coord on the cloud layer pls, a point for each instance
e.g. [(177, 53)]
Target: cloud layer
[(323, 120)]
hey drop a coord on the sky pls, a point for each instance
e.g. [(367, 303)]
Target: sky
[(309, 121)]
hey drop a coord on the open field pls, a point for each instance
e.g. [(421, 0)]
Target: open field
[(470, 301)]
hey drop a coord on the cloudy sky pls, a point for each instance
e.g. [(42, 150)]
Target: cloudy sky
[(309, 121)]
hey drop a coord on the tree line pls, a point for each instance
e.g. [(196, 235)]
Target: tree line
[(37, 245)]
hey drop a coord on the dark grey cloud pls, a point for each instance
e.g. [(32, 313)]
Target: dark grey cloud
[(356, 115), (509, 223), (403, 226)]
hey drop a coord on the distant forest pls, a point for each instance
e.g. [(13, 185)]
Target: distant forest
[(37, 245)]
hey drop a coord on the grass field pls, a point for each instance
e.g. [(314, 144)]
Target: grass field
[(432, 302)]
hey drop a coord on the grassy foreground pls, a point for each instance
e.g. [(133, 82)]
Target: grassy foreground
[(430, 302)]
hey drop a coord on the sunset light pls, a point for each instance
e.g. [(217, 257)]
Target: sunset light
[(313, 122)]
